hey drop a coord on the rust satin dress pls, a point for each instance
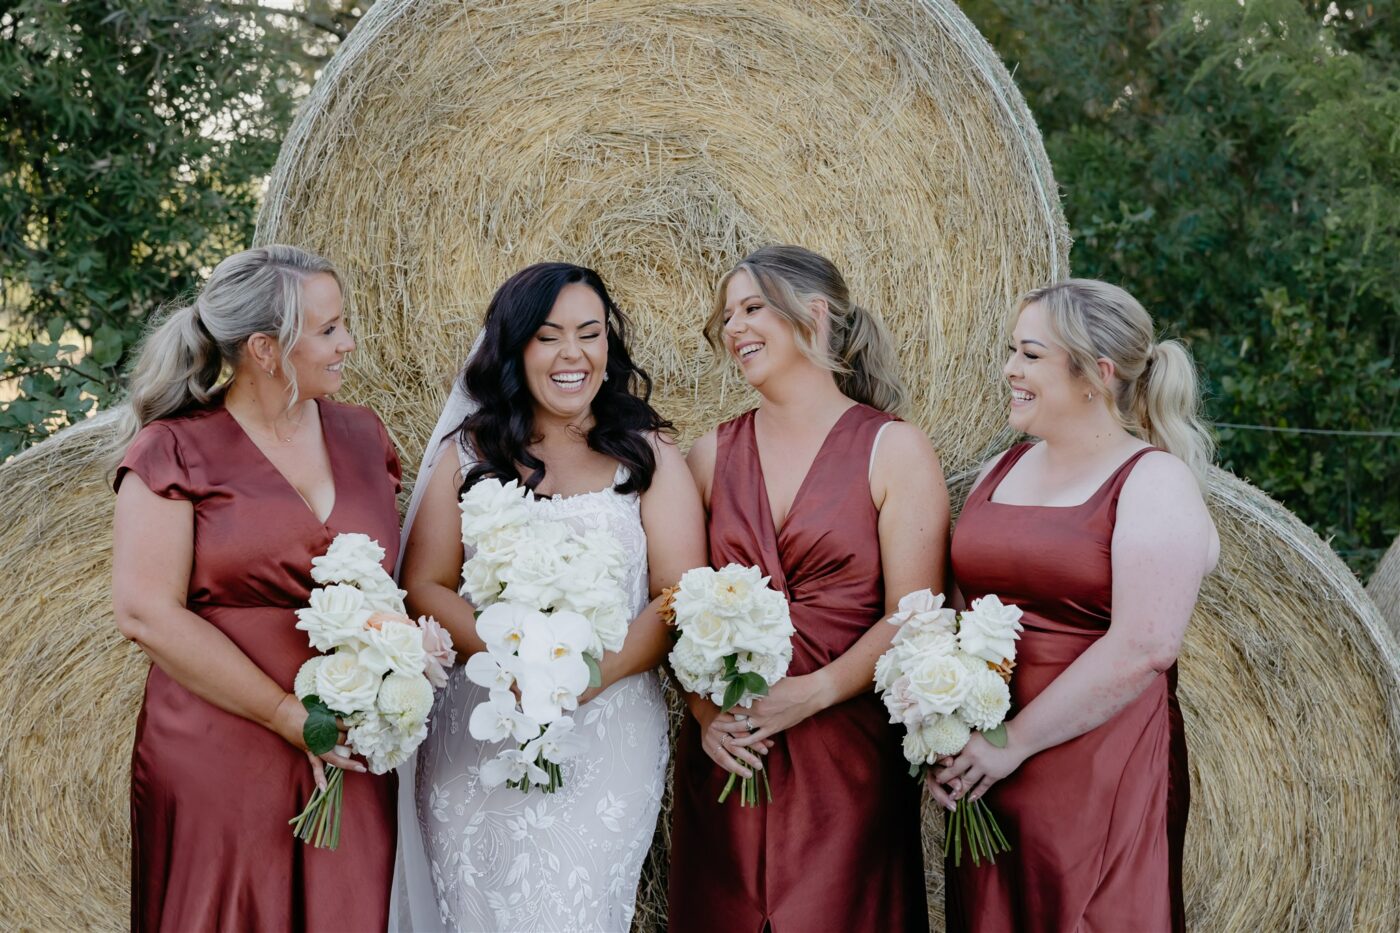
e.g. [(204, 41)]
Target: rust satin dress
[(838, 848), (211, 792), (1096, 824)]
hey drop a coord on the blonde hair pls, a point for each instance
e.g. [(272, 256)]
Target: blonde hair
[(185, 358), (1158, 394), (858, 349)]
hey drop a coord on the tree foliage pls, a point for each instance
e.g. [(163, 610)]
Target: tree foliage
[(136, 136), (1236, 166)]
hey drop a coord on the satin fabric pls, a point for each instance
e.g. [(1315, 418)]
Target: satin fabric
[(838, 848), (211, 793), (1096, 824)]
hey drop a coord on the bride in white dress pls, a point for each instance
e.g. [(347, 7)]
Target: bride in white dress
[(550, 397)]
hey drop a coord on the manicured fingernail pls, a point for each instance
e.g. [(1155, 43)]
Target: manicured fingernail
[(951, 805)]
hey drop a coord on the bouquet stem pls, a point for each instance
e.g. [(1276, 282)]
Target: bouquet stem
[(748, 789), (319, 822), (972, 821)]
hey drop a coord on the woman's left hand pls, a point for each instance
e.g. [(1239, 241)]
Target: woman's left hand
[(973, 771), (790, 701)]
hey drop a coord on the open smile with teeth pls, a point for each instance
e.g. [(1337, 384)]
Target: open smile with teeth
[(1021, 395), (335, 367), (749, 349), (568, 380)]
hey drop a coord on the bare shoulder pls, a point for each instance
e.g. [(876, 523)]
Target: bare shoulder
[(1161, 507), (702, 451), (1161, 481), (905, 446), (667, 451)]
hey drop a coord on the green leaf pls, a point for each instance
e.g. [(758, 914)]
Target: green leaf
[(754, 684), (319, 731), (107, 345), (732, 694), (595, 672), (996, 736), (731, 665)]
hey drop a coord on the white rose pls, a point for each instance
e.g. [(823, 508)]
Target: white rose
[(987, 702), (735, 588), (944, 735), (490, 506), (923, 610), (393, 645), (913, 643), (305, 683), (916, 750), (349, 559), (405, 699), (336, 616), (886, 670), (711, 633), (902, 704), (481, 580), (536, 576), (989, 629), (382, 595), (609, 625), (346, 685), (938, 683), (771, 667)]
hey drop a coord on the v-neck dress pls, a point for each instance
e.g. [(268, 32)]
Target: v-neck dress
[(1095, 823), (838, 848), (211, 792)]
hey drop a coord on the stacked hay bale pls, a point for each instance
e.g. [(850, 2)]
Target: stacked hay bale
[(449, 144), (1384, 587)]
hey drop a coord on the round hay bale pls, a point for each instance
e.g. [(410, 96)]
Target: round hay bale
[(1384, 587), (449, 144), (1290, 689)]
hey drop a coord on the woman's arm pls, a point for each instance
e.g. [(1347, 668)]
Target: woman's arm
[(432, 558), (675, 525), (907, 486), (152, 551), (1163, 546)]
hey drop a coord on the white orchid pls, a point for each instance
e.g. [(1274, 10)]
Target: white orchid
[(497, 720), (549, 688), (491, 671), (558, 742), (512, 765), (502, 626)]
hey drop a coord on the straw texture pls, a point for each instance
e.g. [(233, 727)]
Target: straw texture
[(1384, 587)]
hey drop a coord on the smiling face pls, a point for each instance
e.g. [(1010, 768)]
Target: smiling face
[(566, 359), (1044, 393), (320, 351), (758, 337)]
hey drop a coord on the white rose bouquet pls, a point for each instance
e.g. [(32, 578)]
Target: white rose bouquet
[(735, 643), (944, 676), (549, 603), (377, 673)]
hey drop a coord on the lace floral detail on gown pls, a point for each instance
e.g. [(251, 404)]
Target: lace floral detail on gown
[(571, 860)]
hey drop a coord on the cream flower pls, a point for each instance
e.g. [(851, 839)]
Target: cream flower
[(558, 742), (305, 683), (485, 669), (437, 648), (490, 506), (922, 610), (987, 702), (346, 685), (502, 626), (944, 735), (393, 643), (989, 629), (405, 699), (938, 683), (336, 616), (497, 720), (351, 558), (511, 765)]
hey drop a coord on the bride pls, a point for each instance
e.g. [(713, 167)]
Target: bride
[(550, 397)]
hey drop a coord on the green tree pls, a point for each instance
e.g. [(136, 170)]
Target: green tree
[(1236, 168), (136, 137)]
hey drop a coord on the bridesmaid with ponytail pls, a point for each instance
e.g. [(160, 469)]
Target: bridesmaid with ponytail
[(235, 471), (843, 506), (1099, 532)]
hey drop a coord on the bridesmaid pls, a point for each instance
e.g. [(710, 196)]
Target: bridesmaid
[(227, 492), (1100, 533), (844, 506)]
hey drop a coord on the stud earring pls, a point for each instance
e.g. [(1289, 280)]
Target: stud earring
[(1088, 396), (605, 375)]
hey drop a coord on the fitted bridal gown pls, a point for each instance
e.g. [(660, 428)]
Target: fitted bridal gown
[(501, 859)]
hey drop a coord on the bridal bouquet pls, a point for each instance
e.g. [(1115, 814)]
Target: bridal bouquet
[(377, 673), (945, 675), (735, 643), (549, 603)]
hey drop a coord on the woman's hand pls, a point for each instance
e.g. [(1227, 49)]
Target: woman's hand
[(973, 771), (288, 721), (790, 701), (718, 733)]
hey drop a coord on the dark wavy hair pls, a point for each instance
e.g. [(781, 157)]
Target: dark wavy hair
[(498, 433)]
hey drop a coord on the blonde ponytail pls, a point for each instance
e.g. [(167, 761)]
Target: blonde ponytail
[(184, 360), (1156, 393), (1165, 402), (858, 350)]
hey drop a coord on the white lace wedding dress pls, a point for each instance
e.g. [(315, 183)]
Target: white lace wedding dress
[(505, 860)]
